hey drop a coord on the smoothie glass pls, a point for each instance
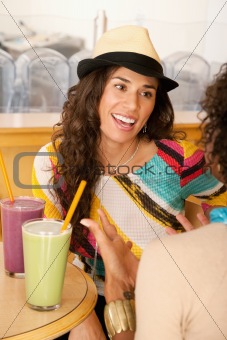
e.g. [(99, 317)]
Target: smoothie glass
[(13, 215), (45, 256)]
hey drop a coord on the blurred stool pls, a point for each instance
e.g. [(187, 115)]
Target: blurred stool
[(192, 73), (42, 81), (73, 63), (7, 78), (215, 67)]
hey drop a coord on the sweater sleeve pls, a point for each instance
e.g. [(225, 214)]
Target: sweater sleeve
[(197, 179), (181, 286), (42, 173)]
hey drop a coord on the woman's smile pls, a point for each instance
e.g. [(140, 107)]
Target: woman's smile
[(123, 122)]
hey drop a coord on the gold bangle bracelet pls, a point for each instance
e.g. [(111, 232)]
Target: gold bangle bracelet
[(119, 316)]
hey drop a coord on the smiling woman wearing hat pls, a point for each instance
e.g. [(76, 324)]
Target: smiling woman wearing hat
[(116, 133)]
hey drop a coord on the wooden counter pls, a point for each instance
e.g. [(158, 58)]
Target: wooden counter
[(14, 141)]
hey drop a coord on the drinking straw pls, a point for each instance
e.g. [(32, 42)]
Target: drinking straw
[(74, 204), (2, 165)]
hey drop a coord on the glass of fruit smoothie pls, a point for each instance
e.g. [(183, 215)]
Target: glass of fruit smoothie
[(13, 215), (46, 249)]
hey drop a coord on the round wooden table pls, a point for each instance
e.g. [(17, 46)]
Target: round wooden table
[(19, 322)]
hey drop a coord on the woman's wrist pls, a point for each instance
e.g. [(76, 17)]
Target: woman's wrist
[(119, 315), (116, 289), (119, 312), (118, 295)]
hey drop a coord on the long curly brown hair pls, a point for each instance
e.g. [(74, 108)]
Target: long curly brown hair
[(214, 125), (79, 137)]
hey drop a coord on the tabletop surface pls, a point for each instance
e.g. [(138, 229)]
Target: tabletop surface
[(25, 120), (18, 321)]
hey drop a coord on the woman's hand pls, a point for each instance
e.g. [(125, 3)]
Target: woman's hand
[(120, 263), (186, 223)]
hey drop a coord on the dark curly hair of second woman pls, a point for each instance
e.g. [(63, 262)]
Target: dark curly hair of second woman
[(214, 125)]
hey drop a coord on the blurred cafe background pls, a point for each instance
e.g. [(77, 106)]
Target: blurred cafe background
[(41, 44)]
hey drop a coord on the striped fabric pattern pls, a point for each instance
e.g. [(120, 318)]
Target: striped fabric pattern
[(140, 204)]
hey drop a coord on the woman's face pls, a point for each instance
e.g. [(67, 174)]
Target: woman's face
[(126, 104)]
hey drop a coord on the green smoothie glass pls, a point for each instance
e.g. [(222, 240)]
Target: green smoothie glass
[(45, 256)]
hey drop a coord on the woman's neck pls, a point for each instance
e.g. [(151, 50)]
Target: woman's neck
[(113, 155)]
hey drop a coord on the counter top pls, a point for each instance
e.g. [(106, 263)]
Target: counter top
[(26, 120)]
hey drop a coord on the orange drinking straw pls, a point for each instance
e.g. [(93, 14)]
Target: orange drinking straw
[(2, 165), (74, 204)]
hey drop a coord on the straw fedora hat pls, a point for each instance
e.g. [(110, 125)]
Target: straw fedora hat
[(128, 46)]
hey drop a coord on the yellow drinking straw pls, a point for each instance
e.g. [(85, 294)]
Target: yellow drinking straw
[(74, 204), (2, 165)]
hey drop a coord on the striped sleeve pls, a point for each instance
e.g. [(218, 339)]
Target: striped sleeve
[(197, 179)]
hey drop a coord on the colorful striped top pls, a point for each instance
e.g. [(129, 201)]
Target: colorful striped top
[(140, 204)]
